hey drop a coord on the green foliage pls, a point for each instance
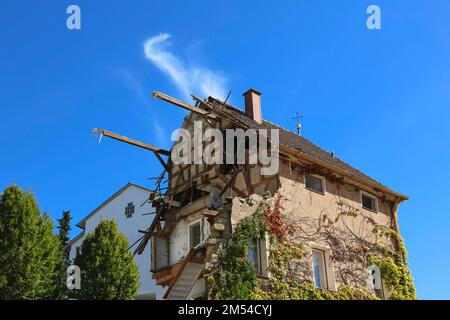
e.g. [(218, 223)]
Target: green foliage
[(64, 228), (282, 290), (108, 270), (63, 236), (397, 276), (29, 251), (283, 285), (350, 293), (235, 276)]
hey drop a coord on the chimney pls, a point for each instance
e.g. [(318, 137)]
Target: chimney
[(253, 105)]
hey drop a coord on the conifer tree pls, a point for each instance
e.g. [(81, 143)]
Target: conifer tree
[(63, 235), (29, 250)]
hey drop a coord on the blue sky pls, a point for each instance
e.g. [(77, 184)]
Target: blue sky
[(379, 99)]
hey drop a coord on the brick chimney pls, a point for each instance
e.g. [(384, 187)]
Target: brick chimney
[(253, 105)]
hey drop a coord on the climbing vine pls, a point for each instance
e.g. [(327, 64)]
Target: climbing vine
[(235, 278), (289, 264), (396, 276)]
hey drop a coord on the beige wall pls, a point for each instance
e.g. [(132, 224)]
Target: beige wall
[(305, 208)]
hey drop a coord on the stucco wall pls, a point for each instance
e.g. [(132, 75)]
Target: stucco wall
[(179, 238), (304, 207)]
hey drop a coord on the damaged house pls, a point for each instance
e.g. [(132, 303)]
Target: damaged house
[(339, 218)]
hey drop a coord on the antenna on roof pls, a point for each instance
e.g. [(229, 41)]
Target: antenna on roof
[(228, 96), (298, 125)]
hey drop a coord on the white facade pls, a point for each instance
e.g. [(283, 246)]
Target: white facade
[(114, 208)]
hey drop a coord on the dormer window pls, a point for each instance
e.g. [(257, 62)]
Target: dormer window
[(315, 183), (369, 202), (129, 210)]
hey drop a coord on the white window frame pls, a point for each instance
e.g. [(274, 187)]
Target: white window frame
[(380, 291), (329, 268), (204, 234), (318, 177), (199, 222), (262, 256), (375, 201)]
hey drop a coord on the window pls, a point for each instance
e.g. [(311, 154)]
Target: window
[(129, 210), (368, 202), (376, 281), (257, 255), (198, 232), (195, 234), (314, 183), (319, 269)]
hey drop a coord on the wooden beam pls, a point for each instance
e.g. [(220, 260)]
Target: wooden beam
[(239, 192), (133, 142), (210, 213), (206, 104), (181, 104), (230, 183), (164, 164), (248, 179)]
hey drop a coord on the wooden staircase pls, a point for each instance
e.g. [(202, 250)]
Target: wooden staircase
[(184, 280)]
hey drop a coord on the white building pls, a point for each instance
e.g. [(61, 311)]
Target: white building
[(125, 207)]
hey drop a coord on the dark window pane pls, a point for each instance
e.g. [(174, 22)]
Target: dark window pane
[(314, 183), (368, 202), (129, 210), (195, 234), (254, 255)]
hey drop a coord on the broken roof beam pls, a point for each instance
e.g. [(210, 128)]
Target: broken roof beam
[(181, 104), (163, 163), (133, 142), (201, 101)]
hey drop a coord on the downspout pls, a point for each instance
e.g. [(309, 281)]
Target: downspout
[(396, 227)]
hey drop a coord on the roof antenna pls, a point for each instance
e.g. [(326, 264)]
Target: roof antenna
[(228, 96), (298, 125)]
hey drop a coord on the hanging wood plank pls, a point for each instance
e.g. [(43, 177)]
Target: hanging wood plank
[(133, 142)]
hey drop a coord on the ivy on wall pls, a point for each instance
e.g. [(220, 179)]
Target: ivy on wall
[(234, 276), (397, 276)]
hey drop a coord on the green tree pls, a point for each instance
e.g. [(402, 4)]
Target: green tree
[(64, 228), (29, 250), (63, 235), (108, 270)]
